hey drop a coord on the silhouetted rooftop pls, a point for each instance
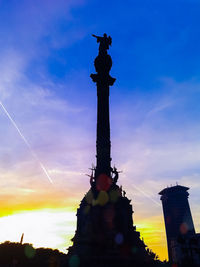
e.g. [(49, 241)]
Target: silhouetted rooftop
[(173, 189)]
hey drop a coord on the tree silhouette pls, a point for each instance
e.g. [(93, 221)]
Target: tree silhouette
[(25, 255)]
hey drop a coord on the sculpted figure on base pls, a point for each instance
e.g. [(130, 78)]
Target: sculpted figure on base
[(103, 61), (104, 41)]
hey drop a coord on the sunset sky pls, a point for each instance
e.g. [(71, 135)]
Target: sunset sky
[(46, 57)]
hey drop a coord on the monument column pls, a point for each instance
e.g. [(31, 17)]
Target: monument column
[(103, 64)]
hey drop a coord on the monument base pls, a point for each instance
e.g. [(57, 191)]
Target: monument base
[(105, 235)]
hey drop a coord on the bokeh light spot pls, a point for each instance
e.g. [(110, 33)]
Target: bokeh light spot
[(89, 197), (102, 198), (74, 261), (94, 202), (134, 250), (109, 214), (29, 251), (119, 238), (184, 228), (103, 182), (114, 195), (86, 209), (168, 220)]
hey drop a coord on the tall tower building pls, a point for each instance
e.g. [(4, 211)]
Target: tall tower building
[(178, 219)]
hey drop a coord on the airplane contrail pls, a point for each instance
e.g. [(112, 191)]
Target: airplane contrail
[(146, 195), (26, 142)]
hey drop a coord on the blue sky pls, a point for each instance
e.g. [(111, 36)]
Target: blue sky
[(47, 55)]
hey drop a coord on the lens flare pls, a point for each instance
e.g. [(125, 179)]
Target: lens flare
[(26, 142)]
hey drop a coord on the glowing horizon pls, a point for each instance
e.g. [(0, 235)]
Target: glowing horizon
[(55, 227), (42, 228)]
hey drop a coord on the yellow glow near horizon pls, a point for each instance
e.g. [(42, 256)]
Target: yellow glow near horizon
[(153, 232), (54, 228), (51, 228)]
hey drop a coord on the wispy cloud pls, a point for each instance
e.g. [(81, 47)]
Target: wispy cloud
[(159, 143)]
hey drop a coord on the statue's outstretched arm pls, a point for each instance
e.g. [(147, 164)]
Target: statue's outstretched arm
[(98, 37)]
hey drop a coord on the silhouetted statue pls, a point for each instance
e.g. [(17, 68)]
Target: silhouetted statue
[(116, 173), (103, 62), (104, 41)]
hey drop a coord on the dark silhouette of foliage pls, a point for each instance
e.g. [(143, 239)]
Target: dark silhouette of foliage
[(25, 255)]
